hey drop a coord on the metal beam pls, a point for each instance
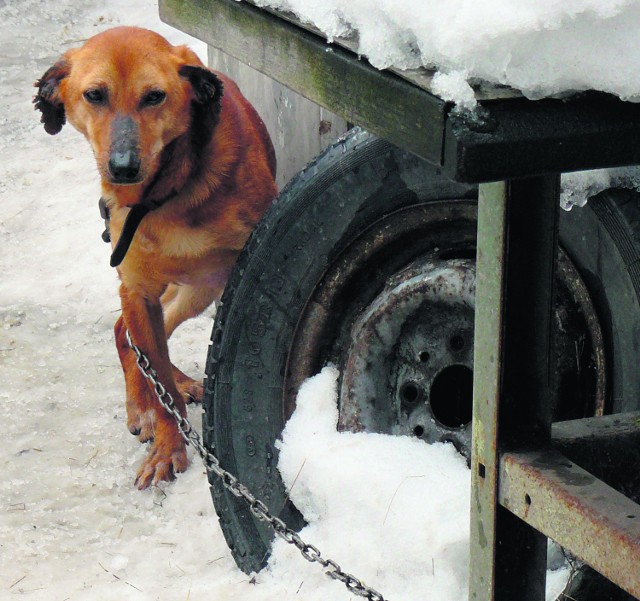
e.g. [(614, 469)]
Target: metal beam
[(513, 377), (486, 387), (580, 512), (607, 447), (620, 428), (517, 137)]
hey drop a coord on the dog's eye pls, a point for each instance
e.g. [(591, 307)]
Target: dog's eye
[(153, 98), (95, 96)]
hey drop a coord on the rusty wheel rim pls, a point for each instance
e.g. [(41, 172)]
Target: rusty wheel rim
[(417, 380)]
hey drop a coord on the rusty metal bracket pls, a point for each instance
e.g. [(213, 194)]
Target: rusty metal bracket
[(575, 509)]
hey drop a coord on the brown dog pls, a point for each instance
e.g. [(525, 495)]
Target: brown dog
[(197, 164)]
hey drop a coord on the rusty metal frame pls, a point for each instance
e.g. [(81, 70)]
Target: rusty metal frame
[(486, 369), (514, 380), (574, 508), (522, 490)]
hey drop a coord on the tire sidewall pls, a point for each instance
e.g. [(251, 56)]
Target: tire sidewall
[(355, 182)]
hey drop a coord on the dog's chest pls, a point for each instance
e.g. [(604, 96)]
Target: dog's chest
[(179, 241), (160, 237)]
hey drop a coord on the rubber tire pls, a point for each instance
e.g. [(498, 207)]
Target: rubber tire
[(352, 184)]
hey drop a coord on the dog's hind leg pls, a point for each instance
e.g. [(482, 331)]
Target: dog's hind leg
[(180, 303)]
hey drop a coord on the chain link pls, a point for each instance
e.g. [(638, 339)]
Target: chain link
[(231, 483)]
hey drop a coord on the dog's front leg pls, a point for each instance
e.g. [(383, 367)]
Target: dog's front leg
[(141, 405), (167, 455)]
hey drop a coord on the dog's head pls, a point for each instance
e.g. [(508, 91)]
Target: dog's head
[(131, 93)]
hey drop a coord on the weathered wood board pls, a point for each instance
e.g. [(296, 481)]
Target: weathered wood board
[(300, 129)]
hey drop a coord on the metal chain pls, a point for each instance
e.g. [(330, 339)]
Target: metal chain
[(231, 483)]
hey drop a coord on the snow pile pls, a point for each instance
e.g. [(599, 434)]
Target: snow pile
[(401, 506), (390, 509), (541, 47)]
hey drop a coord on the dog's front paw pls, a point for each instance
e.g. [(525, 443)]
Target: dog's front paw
[(162, 463), (142, 424)]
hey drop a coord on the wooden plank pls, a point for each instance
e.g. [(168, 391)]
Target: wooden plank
[(300, 129), (326, 74), (421, 77), (509, 137)]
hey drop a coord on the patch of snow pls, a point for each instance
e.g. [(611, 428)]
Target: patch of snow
[(454, 87), (405, 531), (541, 47), (579, 186)]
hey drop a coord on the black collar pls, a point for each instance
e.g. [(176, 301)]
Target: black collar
[(131, 223)]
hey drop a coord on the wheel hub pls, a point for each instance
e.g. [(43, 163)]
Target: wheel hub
[(409, 367)]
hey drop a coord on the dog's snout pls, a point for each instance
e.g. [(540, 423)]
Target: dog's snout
[(124, 166), (124, 157)]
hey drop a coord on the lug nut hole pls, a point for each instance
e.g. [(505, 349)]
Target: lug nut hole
[(456, 343), (418, 431), (410, 393), (424, 356)]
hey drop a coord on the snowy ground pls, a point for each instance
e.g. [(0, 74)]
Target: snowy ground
[(72, 525)]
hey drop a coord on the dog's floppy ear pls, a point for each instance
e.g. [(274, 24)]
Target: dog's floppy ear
[(206, 105), (48, 101), (207, 87)]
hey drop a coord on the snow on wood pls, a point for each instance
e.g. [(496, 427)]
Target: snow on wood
[(541, 47)]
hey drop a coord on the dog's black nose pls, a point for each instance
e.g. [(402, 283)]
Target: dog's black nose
[(124, 166)]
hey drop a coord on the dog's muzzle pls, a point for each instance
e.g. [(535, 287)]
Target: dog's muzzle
[(124, 156)]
